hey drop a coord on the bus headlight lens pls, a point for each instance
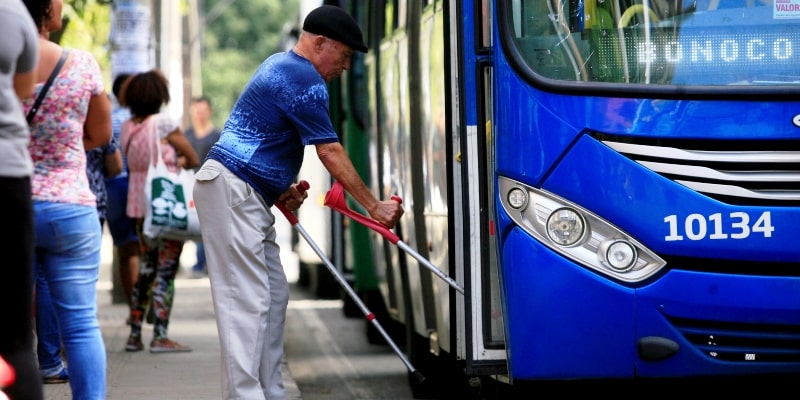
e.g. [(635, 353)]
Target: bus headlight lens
[(517, 198), (618, 254), (577, 233), (565, 226)]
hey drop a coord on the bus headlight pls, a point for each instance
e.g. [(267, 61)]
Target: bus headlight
[(565, 226), (617, 254), (577, 233), (517, 198)]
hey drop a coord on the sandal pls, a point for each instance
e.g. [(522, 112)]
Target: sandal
[(164, 345), (134, 343)]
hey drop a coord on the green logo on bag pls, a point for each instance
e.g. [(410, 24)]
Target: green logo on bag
[(169, 204)]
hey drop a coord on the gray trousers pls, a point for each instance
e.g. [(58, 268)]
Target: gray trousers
[(248, 284)]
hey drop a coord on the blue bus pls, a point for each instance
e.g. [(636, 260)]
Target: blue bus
[(614, 183)]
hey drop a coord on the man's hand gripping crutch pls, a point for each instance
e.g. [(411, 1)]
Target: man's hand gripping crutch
[(302, 186), (335, 199)]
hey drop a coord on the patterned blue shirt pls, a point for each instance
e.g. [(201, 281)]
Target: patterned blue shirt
[(283, 108), (95, 171), (119, 114)]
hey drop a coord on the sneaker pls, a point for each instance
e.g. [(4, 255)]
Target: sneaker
[(165, 345), (134, 343), (61, 377)]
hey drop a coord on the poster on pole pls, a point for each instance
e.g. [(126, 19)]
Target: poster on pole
[(131, 37)]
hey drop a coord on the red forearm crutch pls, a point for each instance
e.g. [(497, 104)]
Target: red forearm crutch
[(303, 186), (335, 200)]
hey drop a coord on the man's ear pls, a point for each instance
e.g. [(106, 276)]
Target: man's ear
[(319, 40)]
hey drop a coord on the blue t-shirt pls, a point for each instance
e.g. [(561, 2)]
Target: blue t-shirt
[(283, 108), (120, 114)]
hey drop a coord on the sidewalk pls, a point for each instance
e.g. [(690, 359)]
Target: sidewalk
[(143, 375)]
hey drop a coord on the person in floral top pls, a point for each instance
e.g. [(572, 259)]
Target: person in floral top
[(74, 117), (145, 95)]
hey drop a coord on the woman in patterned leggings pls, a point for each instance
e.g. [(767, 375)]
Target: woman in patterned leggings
[(145, 95)]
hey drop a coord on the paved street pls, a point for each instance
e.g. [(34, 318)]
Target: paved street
[(143, 375)]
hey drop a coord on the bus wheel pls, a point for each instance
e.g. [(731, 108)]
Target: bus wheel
[(427, 364), (304, 275), (444, 377), (374, 302), (322, 283), (350, 307)]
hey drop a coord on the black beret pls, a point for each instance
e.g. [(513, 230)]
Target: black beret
[(333, 22)]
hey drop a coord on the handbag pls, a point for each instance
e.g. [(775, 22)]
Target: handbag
[(46, 87), (170, 212)]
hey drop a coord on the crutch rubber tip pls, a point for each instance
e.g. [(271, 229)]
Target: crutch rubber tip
[(418, 378)]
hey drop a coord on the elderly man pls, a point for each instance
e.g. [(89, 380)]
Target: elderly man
[(283, 108)]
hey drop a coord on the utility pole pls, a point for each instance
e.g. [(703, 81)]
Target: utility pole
[(169, 30), (192, 77), (146, 34)]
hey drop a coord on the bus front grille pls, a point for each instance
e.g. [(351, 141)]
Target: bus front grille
[(737, 342), (753, 173)]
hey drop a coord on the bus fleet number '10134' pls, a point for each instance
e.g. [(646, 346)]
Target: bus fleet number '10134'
[(699, 227)]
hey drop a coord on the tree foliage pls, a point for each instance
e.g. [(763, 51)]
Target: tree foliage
[(236, 38), (236, 42), (86, 27)]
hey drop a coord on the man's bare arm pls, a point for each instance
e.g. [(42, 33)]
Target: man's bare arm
[(338, 163)]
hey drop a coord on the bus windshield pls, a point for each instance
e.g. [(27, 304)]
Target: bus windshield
[(659, 42)]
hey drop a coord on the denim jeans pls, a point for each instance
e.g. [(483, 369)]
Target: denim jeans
[(66, 269), (48, 344), (121, 226), (200, 266)]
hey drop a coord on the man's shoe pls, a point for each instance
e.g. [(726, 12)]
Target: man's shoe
[(195, 274), (61, 377), (134, 343), (164, 345)]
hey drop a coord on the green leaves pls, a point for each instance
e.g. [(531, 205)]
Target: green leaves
[(238, 37)]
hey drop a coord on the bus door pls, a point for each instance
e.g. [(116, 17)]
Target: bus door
[(479, 313)]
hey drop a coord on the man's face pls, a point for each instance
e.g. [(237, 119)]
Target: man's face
[(335, 58), (200, 111)]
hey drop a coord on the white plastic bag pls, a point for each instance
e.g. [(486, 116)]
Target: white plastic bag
[(170, 212)]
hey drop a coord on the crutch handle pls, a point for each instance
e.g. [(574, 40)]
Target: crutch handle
[(302, 186), (335, 200)]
